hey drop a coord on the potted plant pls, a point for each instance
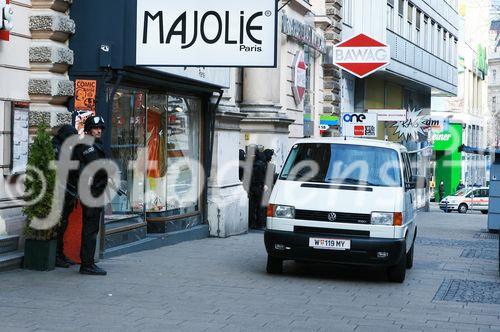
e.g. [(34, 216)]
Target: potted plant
[(40, 246)]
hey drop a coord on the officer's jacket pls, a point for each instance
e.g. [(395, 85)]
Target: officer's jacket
[(87, 154)]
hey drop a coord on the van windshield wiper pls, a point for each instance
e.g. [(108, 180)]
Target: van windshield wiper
[(351, 181)]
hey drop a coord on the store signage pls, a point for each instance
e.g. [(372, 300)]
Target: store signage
[(6, 19), (389, 115), (436, 124), (449, 140), (303, 32), (208, 75), (359, 125), (197, 33), (361, 55), (414, 125), (299, 77)]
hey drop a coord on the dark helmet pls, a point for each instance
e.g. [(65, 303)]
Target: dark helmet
[(94, 122)]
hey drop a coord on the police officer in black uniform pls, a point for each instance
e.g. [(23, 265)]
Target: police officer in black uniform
[(91, 218), (69, 192)]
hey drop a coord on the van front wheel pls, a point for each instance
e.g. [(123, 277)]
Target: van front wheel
[(397, 273), (274, 265)]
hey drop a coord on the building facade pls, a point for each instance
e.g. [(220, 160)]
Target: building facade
[(423, 38), (469, 110), (494, 82), (173, 132), (285, 103)]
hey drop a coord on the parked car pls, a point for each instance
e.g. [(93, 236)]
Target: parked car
[(475, 199), (337, 214)]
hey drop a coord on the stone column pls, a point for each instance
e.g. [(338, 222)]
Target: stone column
[(332, 74), (266, 124), (227, 200), (49, 85)]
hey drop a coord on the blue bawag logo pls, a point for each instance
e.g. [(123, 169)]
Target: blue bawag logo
[(224, 28), (359, 118)]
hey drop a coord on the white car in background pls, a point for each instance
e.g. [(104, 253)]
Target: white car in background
[(475, 199)]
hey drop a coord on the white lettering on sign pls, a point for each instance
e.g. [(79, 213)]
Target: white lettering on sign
[(227, 33), (441, 137), (362, 54)]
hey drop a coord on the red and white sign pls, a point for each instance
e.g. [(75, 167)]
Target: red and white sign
[(361, 55), (299, 77), (6, 19)]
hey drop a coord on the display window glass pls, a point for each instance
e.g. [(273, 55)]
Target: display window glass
[(173, 143), (127, 149)]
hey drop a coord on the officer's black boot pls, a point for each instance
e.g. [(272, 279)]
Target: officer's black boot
[(61, 261), (92, 270)]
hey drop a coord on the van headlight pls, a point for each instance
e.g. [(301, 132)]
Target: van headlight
[(387, 218), (382, 218), (281, 211)]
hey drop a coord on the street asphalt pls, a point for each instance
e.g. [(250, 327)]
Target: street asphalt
[(221, 285)]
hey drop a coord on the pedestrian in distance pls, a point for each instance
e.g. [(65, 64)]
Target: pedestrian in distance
[(94, 126), (68, 194), (460, 185), (441, 190)]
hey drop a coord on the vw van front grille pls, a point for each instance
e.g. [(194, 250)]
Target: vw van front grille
[(342, 217)]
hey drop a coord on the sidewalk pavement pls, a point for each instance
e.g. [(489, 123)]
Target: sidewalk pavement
[(221, 285)]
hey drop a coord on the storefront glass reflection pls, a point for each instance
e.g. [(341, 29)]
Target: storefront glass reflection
[(173, 142), (127, 150)]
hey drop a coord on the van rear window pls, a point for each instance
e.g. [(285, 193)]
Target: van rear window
[(343, 164)]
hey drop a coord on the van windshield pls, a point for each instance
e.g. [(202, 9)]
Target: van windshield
[(343, 164)]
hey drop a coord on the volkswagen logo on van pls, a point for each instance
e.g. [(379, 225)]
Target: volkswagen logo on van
[(332, 216)]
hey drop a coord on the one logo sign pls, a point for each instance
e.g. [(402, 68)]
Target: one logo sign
[(299, 77), (361, 55), (225, 33), (414, 124), (359, 124), (332, 216), (6, 19)]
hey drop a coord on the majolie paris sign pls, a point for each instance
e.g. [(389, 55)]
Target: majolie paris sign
[(224, 33)]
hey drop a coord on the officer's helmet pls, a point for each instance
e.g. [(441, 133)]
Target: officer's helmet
[(94, 122)]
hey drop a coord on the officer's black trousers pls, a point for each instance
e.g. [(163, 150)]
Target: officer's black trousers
[(91, 219), (68, 207)]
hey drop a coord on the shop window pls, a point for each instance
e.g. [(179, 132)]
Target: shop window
[(183, 155), (128, 121), (173, 141)]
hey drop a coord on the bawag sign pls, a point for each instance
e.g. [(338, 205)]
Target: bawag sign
[(224, 33)]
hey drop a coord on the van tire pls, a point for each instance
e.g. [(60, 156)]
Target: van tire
[(274, 265), (397, 273), (484, 211), (409, 257)]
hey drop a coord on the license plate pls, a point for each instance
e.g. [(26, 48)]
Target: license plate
[(331, 244)]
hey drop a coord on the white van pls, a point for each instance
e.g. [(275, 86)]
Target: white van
[(349, 201)]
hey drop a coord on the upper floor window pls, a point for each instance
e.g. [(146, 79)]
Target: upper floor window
[(494, 76), (347, 12), (401, 9), (390, 14), (417, 26), (438, 42), (409, 15), (432, 47), (426, 33)]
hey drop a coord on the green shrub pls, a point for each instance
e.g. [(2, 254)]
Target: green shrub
[(40, 158)]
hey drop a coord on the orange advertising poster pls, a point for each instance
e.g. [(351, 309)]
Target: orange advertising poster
[(85, 93)]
